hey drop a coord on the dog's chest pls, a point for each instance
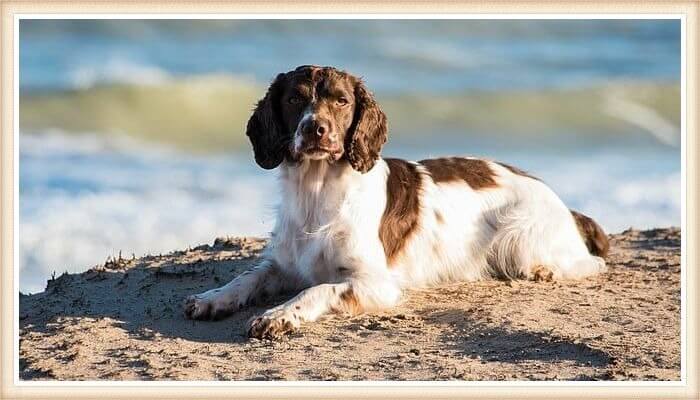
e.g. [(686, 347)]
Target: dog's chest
[(313, 238), (314, 251), (328, 220)]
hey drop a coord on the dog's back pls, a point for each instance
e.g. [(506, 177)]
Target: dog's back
[(479, 219)]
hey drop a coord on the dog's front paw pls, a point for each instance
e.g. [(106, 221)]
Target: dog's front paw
[(271, 325), (205, 306), (542, 273), (196, 307)]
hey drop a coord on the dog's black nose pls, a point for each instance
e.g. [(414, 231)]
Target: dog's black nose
[(315, 126)]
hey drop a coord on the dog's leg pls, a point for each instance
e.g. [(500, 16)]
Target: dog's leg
[(264, 279), (347, 297)]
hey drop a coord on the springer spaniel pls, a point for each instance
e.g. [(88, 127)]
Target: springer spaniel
[(354, 229)]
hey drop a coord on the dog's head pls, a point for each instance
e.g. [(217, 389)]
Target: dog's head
[(317, 113)]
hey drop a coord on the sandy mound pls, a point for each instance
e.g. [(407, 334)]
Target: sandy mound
[(124, 321)]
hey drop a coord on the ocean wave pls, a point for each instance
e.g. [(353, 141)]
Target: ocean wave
[(199, 113), (209, 112), (547, 114)]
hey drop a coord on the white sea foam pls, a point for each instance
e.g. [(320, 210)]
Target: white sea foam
[(117, 70), (645, 117), (84, 198), (620, 201)]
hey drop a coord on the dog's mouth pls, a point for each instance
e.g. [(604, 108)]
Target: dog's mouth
[(316, 152)]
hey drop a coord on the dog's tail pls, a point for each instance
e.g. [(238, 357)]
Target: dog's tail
[(593, 235)]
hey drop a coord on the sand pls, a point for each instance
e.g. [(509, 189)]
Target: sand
[(123, 321)]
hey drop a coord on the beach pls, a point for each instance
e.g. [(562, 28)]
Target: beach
[(123, 320)]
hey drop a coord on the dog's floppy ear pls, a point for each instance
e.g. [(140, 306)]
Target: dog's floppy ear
[(266, 129), (368, 131)]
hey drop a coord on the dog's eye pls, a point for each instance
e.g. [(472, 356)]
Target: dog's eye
[(342, 101), (294, 100)]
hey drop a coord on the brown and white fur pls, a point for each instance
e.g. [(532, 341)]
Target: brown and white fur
[(353, 229)]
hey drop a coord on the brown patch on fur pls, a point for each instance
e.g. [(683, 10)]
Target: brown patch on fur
[(476, 173), (265, 128), (593, 235), (349, 302), (368, 132), (542, 274), (517, 170), (402, 209)]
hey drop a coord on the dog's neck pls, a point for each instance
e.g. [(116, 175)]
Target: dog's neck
[(315, 190)]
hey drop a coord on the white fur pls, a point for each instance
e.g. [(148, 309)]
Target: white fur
[(326, 241), (298, 137)]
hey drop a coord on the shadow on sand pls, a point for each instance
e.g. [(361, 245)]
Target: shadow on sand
[(474, 338)]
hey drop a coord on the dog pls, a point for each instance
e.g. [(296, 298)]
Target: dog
[(354, 230)]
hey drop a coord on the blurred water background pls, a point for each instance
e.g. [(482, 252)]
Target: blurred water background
[(132, 132)]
